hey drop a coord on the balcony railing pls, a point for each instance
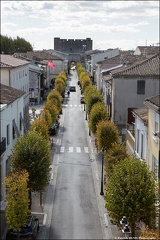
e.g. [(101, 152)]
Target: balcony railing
[(2, 146)]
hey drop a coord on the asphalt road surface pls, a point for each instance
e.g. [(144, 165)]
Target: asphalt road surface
[(75, 211)]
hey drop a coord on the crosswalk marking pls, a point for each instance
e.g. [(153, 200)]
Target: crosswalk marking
[(78, 149), (72, 149), (86, 149), (62, 149), (66, 105)]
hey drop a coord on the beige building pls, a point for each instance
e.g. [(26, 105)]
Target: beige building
[(153, 105)]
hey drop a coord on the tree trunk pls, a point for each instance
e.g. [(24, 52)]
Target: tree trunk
[(41, 199), (133, 231), (30, 199)]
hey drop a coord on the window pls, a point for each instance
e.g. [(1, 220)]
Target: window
[(140, 87), (156, 124), (142, 145), (13, 130), (8, 135), (137, 141), (155, 166)]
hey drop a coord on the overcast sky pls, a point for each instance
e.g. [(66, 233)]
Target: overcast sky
[(110, 24)]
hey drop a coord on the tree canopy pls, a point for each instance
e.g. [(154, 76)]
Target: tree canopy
[(17, 199), (11, 45), (98, 113), (107, 133), (130, 192), (32, 153)]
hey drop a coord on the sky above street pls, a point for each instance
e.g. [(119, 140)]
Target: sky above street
[(110, 24)]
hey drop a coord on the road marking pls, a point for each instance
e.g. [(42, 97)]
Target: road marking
[(78, 149), (86, 150), (70, 149), (62, 149)]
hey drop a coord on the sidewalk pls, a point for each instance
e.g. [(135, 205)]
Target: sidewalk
[(109, 230)]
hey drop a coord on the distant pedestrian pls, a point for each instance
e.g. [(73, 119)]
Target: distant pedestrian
[(68, 93)]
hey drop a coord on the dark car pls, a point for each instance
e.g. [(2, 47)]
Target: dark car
[(53, 130), (72, 89), (82, 100), (27, 232)]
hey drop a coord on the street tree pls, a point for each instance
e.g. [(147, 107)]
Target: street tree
[(56, 98), (40, 126), (32, 153), (130, 192), (107, 133), (53, 110), (92, 96), (17, 200), (46, 116), (97, 113), (116, 153), (85, 81)]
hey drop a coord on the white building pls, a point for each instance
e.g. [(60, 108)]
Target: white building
[(15, 73), (11, 110), (128, 87)]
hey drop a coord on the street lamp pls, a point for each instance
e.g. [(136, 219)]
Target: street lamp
[(102, 192)]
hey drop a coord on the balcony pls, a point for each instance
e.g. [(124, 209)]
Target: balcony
[(2, 146)]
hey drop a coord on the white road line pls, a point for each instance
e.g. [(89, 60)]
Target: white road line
[(86, 150), (44, 219), (78, 149), (70, 149), (75, 105), (70, 105), (62, 149)]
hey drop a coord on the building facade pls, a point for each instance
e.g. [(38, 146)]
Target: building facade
[(72, 45)]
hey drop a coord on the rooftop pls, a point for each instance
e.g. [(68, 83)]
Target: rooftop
[(9, 94), (8, 61), (37, 55), (153, 102), (142, 113), (147, 67)]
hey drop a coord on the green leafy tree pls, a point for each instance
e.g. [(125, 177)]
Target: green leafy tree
[(17, 200), (130, 192), (53, 110), (85, 81), (40, 126), (107, 133), (32, 153), (98, 113), (115, 154), (92, 96), (10, 46), (46, 116), (56, 98)]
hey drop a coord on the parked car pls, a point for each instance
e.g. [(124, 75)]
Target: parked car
[(82, 100), (53, 130), (72, 89), (27, 232)]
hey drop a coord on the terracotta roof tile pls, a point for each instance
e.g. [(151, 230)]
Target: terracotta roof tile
[(9, 94), (37, 55), (148, 67)]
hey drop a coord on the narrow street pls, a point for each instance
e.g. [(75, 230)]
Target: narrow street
[(73, 207), (75, 211)]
